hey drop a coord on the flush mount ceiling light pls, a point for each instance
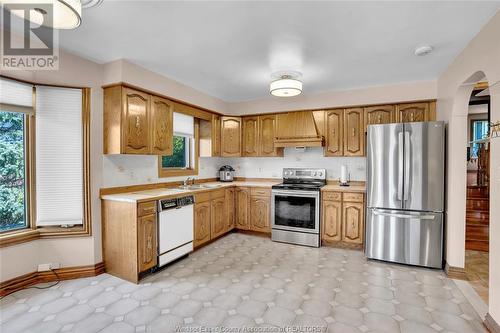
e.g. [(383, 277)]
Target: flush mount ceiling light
[(67, 14), (423, 50), (286, 86)]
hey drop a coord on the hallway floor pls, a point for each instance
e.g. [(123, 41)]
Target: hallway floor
[(477, 271), (247, 281)]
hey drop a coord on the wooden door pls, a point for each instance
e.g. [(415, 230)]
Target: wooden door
[(161, 126), (334, 137), (215, 135), (201, 223), (250, 136), (354, 134), (381, 114), (230, 211), (146, 242), (259, 214), (267, 132), (407, 113), (242, 209), (136, 135), (352, 222), (332, 220), (230, 136), (217, 223)]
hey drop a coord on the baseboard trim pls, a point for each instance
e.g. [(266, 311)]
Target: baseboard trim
[(66, 273), (342, 245), (457, 273), (491, 324)]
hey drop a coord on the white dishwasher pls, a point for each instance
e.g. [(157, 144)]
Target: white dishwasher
[(175, 228)]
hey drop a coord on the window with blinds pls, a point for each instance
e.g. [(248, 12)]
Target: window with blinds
[(183, 143), (59, 156)]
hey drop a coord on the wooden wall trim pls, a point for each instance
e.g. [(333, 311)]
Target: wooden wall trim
[(457, 273), (491, 324), (66, 273)]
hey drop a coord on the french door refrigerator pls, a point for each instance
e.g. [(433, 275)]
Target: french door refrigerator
[(405, 193)]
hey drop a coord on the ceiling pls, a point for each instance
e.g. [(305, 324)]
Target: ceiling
[(230, 49)]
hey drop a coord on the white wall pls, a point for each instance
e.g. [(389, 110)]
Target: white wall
[(479, 58)]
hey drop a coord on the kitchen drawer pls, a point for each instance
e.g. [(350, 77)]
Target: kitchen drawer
[(263, 192), (146, 208), (201, 197), (335, 196), (217, 194), (353, 197)]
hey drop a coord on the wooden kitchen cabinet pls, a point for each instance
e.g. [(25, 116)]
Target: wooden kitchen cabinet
[(334, 145), (332, 220), (413, 112), (267, 132), (260, 213), (216, 132), (230, 208), (352, 222), (354, 134), (242, 208), (250, 136), (202, 219), (147, 242), (218, 213), (380, 114), (230, 136), (136, 122)]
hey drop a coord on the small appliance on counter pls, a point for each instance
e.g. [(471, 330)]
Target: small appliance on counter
[(226, 173), (344, 176)]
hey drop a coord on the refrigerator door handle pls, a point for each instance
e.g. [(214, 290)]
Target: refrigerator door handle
[(407, 154), (400, 165), (403, 216)]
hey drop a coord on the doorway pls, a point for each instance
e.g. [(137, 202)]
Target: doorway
[(478, 180)]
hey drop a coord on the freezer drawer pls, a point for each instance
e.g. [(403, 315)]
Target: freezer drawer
[(414, 238)]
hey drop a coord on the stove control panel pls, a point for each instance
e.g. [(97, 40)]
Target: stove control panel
[(300, 173)]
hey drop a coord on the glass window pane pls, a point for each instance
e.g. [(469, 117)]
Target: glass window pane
[(179, 158), (12, 172)]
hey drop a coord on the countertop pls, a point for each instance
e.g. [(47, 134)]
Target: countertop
[(163, 193), (351, 188)]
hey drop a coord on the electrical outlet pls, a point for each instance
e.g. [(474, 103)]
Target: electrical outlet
[(44, 267), (55, 265)]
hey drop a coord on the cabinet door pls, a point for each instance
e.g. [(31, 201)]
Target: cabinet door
[(259, 214), (230, 136), (242, 209), (161, 126), (146, 242), (230, 211), (334, 138), (354, 134), (201, 223), (250, 136), (215, 135), (412, 112), (267, 132), (218, 223), (136, 135), (382, 114), (352, 222), (332, 220)]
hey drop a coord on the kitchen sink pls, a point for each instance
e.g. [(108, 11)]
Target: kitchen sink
[(197, 187)]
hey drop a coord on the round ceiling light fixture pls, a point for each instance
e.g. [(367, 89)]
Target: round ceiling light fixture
[(286, 85), (66, 14), (423, 50)]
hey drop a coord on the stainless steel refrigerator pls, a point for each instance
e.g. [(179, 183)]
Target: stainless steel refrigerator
[(405, 193)]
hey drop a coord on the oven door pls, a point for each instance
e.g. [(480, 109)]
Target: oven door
[(295, 210)]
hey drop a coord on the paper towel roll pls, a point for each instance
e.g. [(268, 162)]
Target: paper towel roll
[(343, 174)]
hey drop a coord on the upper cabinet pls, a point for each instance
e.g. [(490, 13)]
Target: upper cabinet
[(209, 135), (216, 135), (413, 112), (354, 134), (381, 114), (258, 136), (250, 136), (230, 136), (136, 122), (334, 121)]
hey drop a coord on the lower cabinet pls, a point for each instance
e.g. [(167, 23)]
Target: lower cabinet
[(242, 208), (217, 221), (146, 242), (343, 216), (259, 214), (202, 218), (230, 209)]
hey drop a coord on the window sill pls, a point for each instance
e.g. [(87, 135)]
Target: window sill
[(26, 235), (176, 172)]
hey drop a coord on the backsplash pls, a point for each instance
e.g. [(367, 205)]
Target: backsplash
[(123, 170)]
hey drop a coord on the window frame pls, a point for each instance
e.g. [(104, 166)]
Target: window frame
[(193, 170), (32, 232)]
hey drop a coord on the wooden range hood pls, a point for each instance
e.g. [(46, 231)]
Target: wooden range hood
[(297, 129)]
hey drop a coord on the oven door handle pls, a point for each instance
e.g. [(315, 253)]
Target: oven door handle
[(296, 193)]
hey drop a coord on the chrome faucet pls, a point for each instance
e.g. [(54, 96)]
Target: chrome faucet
[(186, 181)]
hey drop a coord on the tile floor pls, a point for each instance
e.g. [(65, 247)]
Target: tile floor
[(477, 271), (247, 281)]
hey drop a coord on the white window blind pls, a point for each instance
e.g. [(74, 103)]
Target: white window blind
[(59, 156), (183, 125), (15, 96)]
